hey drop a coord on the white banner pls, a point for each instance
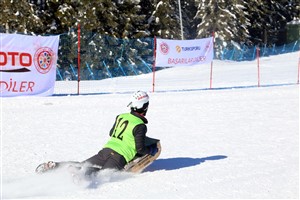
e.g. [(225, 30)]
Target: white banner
[(172, 53), (27, 64)]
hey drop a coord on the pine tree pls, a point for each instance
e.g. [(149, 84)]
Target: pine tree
[(269, 19), (107, 15), (131, 22), (188, 11), (164, 21), (226, 19), (147, 8), (99, 32), (18, 16)]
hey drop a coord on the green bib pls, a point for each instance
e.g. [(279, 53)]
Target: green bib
[(122, 139)]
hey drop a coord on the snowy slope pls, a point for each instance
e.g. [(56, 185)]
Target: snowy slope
[(230, 142)]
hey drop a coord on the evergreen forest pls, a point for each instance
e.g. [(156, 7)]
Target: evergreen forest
[(117, 35)]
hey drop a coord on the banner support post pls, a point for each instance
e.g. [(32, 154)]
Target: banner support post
[(258, 68), (211, 64), (298, 68), (154, 65), (78, 58)]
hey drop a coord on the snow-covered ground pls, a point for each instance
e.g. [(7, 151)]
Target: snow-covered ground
[(236, 141)]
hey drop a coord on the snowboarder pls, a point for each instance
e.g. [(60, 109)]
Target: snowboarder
[(127, 141)]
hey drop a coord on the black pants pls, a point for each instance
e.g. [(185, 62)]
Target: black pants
[(106, 159)]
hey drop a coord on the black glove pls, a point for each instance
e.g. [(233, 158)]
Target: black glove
[(153, 150)]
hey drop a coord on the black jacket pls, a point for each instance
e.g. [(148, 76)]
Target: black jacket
[(139, 133)]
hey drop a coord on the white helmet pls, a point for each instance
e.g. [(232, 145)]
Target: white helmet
[(139, 102)]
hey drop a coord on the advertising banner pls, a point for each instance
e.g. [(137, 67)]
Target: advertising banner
[(173, 53), (27, 65)]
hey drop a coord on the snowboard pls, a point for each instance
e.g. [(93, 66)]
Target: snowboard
[(137, 165)]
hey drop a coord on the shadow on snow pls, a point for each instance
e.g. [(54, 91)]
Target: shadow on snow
[(180, 162)]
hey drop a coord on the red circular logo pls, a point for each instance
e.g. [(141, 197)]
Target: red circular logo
[(43, 59), (164, 48)]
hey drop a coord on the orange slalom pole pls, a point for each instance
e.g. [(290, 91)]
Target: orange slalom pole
[(78, 58)]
